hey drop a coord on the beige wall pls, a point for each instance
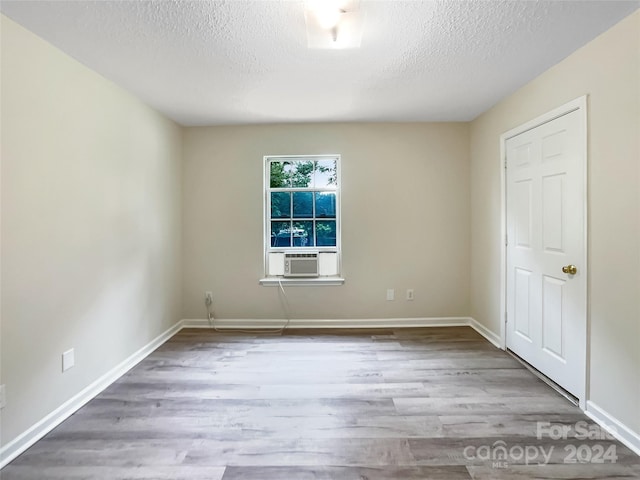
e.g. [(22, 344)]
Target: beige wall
[(91, 183), (608, 70), (405, 220), (92, 221)]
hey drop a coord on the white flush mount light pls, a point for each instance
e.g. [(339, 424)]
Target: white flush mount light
[(333, 24), (327, 12)]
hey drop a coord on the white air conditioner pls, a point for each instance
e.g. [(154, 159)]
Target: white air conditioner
[(301, 264)]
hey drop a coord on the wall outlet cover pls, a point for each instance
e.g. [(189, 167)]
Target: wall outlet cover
[(68, 359)]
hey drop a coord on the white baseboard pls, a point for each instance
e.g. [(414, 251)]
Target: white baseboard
[(615, 427), (18, 445), (225, 323), (23, 441), (492, 337), (14, 448), (329, 323)]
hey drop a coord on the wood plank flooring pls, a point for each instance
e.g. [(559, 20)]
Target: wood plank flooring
[(325, 404)]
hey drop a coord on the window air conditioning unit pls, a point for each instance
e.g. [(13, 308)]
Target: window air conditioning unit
[(300, 264)]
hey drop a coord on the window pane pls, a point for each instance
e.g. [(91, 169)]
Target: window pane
[(280, 234), (303, 204), (325, 174), (280, 205), (302, 234), (325, 205), (301, 175), (326, 233), (280, 176)]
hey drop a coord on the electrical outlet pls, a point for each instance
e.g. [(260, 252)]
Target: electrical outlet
[(409, 293), (68, 360), (391, 294), (3, 396), (208, 298)]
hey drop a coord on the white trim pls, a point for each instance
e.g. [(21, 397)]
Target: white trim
[(25, 440), (266, 202), (419, 322), (30, 436), (489, 335), (580, 104), (277, 323), (502, 314), (301, 282), (614, 426)]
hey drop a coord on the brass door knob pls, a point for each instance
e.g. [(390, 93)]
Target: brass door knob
[(570, 269)]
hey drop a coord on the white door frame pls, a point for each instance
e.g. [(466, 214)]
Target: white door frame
[(579, 104)]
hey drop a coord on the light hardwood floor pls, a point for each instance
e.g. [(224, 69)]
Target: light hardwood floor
[(338, 404)]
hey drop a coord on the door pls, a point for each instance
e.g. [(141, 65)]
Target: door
[(546, 274)]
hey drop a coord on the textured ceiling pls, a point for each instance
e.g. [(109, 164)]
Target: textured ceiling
[(236, 61)]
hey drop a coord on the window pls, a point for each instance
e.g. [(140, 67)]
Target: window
[(302, 204)]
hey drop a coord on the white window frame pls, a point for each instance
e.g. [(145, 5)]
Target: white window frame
[(266, 216)]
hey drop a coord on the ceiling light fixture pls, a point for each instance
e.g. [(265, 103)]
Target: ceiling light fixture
[(333, 24), (328, 13)]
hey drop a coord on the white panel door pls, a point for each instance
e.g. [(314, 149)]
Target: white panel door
[(546, 314)]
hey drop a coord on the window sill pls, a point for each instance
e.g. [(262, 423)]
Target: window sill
[(302, 282)]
